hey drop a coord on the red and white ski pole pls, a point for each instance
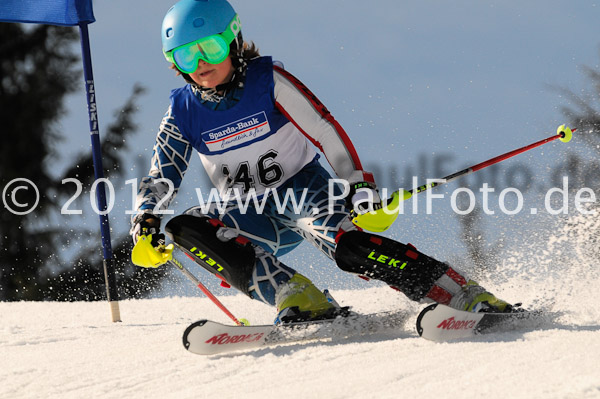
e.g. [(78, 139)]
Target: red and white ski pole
[(381, 219), (205, 290), (564, 134)]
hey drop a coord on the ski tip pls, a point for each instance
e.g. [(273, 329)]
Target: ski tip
[(188, 330), (420, 317)]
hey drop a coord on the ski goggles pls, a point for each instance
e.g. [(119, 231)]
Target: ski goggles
[(212, 49)]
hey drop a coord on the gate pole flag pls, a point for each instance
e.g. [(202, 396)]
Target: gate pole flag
[(76, 13)]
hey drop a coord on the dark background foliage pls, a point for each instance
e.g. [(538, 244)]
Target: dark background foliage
[(39, 67)]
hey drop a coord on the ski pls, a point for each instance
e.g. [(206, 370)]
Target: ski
[(206, 337), (442, 323)]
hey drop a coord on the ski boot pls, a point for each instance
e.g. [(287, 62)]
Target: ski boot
[(474, 298), (299, 300)]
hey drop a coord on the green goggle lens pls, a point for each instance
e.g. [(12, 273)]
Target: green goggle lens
[(212, 49)]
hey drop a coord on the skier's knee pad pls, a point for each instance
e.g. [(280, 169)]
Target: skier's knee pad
[(230, 259), (397, 264)]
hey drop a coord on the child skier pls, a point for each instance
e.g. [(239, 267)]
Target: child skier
[(253, 124)]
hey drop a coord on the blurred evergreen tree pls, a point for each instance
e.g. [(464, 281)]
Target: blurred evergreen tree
[(585, 111), (37, 72), (584, 114), (39, 67)]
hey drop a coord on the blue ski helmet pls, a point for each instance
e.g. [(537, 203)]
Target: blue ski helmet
[(190, 20)]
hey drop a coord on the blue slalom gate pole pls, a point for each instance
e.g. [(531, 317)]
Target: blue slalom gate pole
[(109, 270)]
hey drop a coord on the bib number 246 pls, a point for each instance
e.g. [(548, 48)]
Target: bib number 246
[(267, 171)]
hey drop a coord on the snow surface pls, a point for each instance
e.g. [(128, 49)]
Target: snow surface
[(72, 350)]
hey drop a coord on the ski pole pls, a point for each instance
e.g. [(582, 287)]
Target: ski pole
[(144, 254), (381, 219), (563, 134), (194, 279)]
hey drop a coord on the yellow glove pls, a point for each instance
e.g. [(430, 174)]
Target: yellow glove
[(146, 255), (381, 219)]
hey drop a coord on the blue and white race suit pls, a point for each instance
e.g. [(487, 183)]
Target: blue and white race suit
[(262, 143)]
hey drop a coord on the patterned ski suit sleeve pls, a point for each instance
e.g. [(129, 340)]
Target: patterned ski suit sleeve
[(170, 160), (313, 119)]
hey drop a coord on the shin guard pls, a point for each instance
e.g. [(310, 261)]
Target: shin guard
[(231, 259), (399, 265)]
